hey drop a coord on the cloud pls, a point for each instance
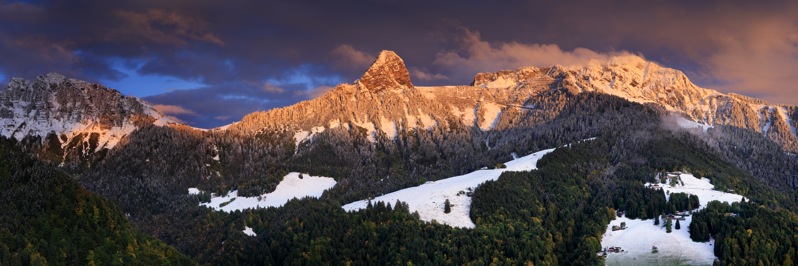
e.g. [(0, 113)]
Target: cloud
[(477, 55), (268, 87), (349, 57), (424, 76), (760, 59), (160, 26), (173, 109)]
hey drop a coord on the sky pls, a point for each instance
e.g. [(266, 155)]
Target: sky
[(211, 62)]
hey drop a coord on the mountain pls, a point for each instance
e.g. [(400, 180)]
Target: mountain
[(385, 100), (637, 80), (72, 115), (382, 134)]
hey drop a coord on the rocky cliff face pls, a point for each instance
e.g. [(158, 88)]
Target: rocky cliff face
[(385, 100), (637, 80), (387, 72), (77, 114)]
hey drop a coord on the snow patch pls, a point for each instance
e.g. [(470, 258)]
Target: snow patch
[(293, 185), (248, 231), (466, 117), (303, 135), (787, 119), (428, 199), (673, 248), (388, 126), (492, 112), (369, 130), (427, 121), (500, 83)]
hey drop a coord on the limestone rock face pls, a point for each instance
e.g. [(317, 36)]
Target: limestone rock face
[(387, 72), (385, 100), (638, 80)]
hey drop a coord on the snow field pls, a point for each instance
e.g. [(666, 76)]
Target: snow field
[(428, 199), (675, 247), (291, 187)]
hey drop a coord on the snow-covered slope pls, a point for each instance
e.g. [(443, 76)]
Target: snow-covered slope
[(675, 248), (293, 185), (428, 199), (81, 115)]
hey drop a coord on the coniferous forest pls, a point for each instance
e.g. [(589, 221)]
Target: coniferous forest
[(47, 218)]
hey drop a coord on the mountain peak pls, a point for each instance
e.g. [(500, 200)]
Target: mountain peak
[(52, 78), (386, 72)]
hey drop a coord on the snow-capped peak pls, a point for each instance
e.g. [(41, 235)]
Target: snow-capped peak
[(81, 115)]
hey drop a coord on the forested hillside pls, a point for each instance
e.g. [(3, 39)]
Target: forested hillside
[(47, 218), (555, 215)]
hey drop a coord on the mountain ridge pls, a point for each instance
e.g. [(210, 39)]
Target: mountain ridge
[(385, 102), (81, 115), (396, 106)]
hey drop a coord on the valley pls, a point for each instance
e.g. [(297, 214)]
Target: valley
[(522, 166)]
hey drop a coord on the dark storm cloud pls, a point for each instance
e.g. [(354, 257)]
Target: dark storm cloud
[(255, 55), (225, 103)]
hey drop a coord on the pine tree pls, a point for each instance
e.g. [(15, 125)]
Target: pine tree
[(668, 226), (447, 206)]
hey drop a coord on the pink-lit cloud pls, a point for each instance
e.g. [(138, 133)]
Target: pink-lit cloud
[(268, 87), (173, 109), (349, 57), (477, 55)]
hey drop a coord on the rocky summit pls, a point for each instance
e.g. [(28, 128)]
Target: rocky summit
[(385, 100), (78, 115), (387, 72)]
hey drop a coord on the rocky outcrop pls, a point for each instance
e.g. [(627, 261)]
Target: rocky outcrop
[(81, 115), (387, 72)]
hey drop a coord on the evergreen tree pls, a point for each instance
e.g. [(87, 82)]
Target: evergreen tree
[(668, 225), (447, 206), (678, 226)]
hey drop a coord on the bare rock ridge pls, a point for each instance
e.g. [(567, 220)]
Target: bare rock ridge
[(638, 80), (80, 114), (387, 72), (385, 100)]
